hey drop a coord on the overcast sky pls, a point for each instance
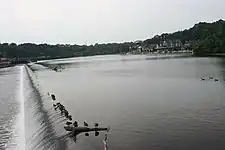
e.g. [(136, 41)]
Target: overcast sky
[(100, 21)]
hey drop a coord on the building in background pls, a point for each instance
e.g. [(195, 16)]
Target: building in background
[(4, 62)]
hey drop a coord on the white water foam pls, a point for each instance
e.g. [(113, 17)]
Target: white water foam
[(22, 117), (18, 140)]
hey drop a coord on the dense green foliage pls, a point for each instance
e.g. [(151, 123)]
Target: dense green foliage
[(58, 51), (204, 38)]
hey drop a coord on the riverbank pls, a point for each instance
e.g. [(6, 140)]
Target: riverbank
[(210, 55)]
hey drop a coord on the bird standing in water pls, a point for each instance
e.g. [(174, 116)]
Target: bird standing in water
[(85, 124), (53, 97)]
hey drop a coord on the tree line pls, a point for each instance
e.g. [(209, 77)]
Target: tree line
[(59, 51), (207, 37)]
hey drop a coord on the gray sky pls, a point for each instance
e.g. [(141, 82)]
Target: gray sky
[(100, 21)]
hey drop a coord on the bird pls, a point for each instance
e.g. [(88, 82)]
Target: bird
[(75, 124), (85, 124), (70, 117), (53, 97), (68, 123)]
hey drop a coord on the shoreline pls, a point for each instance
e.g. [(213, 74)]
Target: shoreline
[(26, 61)]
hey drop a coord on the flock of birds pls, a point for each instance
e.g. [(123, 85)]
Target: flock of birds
[(73, 127), (65, 112), (210, 78), (74, 124)]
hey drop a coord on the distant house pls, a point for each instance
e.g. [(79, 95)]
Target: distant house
[(164, 44), (157, 46), (4, 62), (170, 44), (178, 43), (139, 49), (187, 44)]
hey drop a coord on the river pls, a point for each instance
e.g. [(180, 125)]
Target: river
[(149, 102)]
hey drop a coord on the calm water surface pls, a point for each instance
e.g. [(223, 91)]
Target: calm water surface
[(149, 103)]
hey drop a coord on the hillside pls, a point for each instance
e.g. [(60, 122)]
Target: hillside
[(207, 37)]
